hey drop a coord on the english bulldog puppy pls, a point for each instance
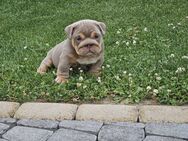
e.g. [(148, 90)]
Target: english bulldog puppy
[(84, 46)]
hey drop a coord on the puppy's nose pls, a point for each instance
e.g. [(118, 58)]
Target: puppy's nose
[(89, 45)]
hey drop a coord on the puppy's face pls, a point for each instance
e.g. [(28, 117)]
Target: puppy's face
[(86, 37)]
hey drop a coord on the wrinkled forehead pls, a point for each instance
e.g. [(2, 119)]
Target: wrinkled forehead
[(87, 29)]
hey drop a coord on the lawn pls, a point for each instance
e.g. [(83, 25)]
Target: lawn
[(146, 54)]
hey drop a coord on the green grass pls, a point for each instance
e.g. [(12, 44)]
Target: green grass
[(29, 28)]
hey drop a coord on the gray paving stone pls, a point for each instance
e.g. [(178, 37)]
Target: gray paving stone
[(3, 128), (46, 124), (19, 133), (86, 126), (71, 135), (129, 124), (120, 133), (8, 120), (3, 140), (158, 138), (168, 129)]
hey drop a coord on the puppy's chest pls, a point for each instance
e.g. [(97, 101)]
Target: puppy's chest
[(86, 61)]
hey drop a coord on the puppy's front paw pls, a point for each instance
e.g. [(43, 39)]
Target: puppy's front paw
[(41, 70), (61, 79)]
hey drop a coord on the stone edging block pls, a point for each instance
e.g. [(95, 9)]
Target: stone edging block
[(98, 112), (49, 111), (7, 109), (107, 112), (151, 113)]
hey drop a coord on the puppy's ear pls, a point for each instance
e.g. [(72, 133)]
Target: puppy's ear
[(102, 27), (70, 30)]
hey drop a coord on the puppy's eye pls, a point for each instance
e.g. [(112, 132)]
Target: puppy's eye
[(78, 38), (96, 36)]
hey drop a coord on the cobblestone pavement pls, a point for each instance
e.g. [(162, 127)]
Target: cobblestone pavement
[(72, 130)]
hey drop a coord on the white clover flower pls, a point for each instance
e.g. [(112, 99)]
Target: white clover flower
[(79, 68), (117, 77), (134, 42), (135, 38), (178, 23), (172, 56), (103, 67), (25, 59), (158, 78), (148, 88), (129, 95), (180, 70), (174, 78), (108, 66), (117, 42), (71, 69), (130, 79), (25, 47), (146, 29), (127, 43), (173, 27), (81, 71), (84, 86), (81, 78), (130, 74), (161, 87), (78, 84), (155, 91), (124, 72), (168, 90), (98, 79), (184, 57), (170, 24), (156, 74), (118, 32), (186, 17), (47, 44)]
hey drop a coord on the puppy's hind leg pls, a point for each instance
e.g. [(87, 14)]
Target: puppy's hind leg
[(45, 64)]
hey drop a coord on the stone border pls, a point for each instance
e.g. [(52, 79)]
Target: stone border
[(98, 112)]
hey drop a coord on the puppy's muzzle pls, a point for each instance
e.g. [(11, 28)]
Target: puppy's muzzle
[(88, 43)]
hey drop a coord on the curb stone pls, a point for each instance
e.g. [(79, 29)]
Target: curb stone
[(177, 114), (48, 111), (8, 109), (107, 112), (97, 112)]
